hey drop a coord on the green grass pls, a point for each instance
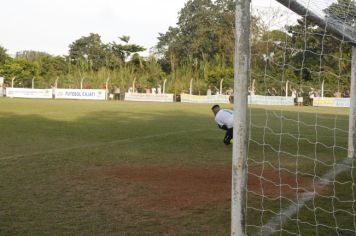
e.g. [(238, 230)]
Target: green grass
[(56, 158)]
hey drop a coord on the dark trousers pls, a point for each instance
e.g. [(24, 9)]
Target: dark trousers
[(116, 96), (228, 136)]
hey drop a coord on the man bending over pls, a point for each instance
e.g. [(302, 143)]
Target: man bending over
[(225, 120)]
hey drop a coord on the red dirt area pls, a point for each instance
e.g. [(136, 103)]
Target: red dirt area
[(273, 183), (174, 188)]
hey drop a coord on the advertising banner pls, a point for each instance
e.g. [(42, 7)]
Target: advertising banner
[(149, 97), (331, 102), (254, 99), (187, 98), (1, 88), (270, 100), (28, 93), (81, 94)]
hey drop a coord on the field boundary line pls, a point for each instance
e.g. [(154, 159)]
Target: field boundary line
[(98, 144), (286, 213)]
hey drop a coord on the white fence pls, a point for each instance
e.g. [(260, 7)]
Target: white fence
[(81, 94), (28, 93), (149, 97), (100, 94), (331, 102)]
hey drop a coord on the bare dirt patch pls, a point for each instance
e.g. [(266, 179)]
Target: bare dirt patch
[(175, 188), (273, 183)]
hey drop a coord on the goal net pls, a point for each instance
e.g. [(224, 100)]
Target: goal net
[(301, 179)]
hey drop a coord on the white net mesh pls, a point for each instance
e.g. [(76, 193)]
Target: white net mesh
[(300, 181)]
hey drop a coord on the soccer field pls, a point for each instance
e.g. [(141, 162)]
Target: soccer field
[(112, 168)]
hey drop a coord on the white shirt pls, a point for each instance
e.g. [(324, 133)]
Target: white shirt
[(225, 117), (294, 94)]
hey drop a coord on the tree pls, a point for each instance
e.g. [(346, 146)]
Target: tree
[(49, 67), (204, 28), (88, 50), (123, 51), (343, 11), (201, 46), (23, 70), (315, 56), (3, 55), (125, 38)]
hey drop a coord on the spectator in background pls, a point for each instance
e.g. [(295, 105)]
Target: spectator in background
[(117, 93), (294, 94), (300, 97), (268, 93), (208, 92), (53, 91), (283, 92), (251, 91), (231, 98), (154, 90), (138, 89), (273, 92), (337, 94), (346, 93), (311, 95)]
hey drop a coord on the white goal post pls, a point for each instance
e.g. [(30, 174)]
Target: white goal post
[(241, 82), (352, 113), (316, 179)]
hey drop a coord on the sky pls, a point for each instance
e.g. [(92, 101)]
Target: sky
[(51, 25)]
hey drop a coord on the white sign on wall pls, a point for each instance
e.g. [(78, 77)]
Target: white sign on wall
[(149, 97), (1, 84), (187, 98), (82, 94), (331, 102), (252, 99), (271, 100), (28, 93)]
